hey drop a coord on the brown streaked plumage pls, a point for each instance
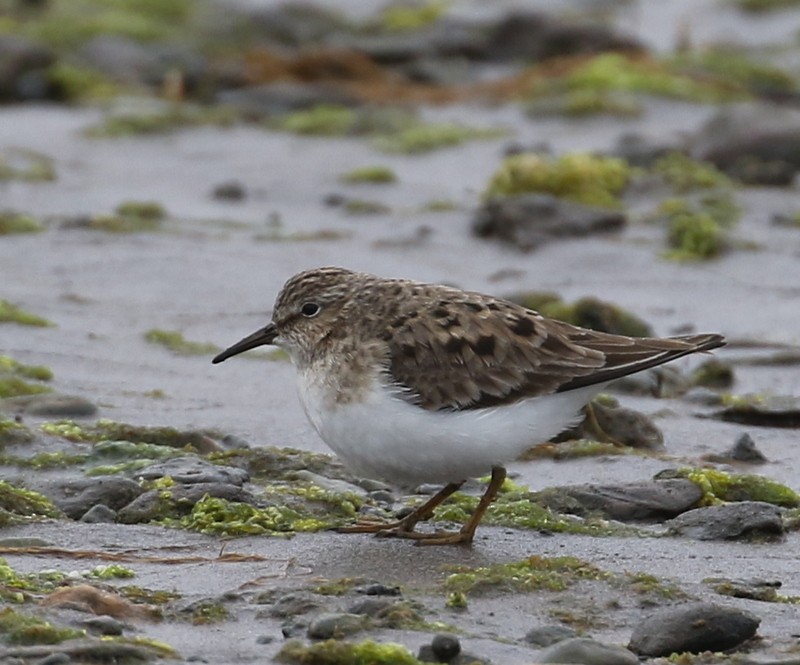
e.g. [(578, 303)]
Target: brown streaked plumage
[(375, 355)]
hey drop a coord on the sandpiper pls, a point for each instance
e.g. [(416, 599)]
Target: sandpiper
[(422, 383)]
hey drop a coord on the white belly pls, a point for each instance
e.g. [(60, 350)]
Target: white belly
[(386, 437)]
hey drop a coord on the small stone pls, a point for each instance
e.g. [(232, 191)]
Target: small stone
[(693, 627), (379, 590), (371, 485), (80, 496), (190, 470), (104, 625), (293, 604), (445, 647), (229, 191), (55, 659), (335, 626), (370, 606), (291, 628), (382, 496), (547, 635), (265, 639), (233, 442), (99, 514), (585, 651), (744, 450), (731, 521)]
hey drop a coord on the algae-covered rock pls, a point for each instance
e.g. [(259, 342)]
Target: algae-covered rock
[(336, 652), (732, 521), (527, 220), (579, 177), (720, 486)]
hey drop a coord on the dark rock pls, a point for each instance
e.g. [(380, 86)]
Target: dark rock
[(335, 626), (585, 651), (291, 628), (731, 521), (80, 496), (271, 99), (528, 220), (104, 625), (293, 604), (534, 36), (621, 426), (653, 499), (371, 606), (695, 627), (265, 639), (99, 514), (379, 590), (55, 659), (757, 142), (663, 382), (189, 470), (51, 405), (547, 635), (765, 591), (229, 191), (777, 411), (445, 647), (640, 151), (743, 450), (153, 505), (382, 496), (23, 69)]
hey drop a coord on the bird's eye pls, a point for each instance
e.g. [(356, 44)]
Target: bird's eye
[(310, 309)]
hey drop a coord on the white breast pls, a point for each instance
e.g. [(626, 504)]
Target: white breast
[(384, 436)]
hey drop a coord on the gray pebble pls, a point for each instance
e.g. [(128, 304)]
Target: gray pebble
[(371, 485), (99, 514), (328, 626), (293, 604), (104, 625), (692, 627), (728, 522), (265, 639), (585, 651), (382, 496), (547, 635), (291, 628), (445, 647), (55, 659), (370, 606)]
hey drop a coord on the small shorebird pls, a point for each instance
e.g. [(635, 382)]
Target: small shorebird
[(421, 383)]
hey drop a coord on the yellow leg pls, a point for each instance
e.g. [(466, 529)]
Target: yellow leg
[(405, 528), (407, 524)]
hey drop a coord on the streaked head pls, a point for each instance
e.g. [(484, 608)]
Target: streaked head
[(305, 313)]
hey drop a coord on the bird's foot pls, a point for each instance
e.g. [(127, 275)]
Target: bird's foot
[(434, 538), (369, 526)]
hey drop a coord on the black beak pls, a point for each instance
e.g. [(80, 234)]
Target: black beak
[(258, 338)]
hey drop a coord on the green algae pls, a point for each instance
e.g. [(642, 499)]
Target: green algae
[(615, 72), (588, 312), (46, 460), (737, 67), (14, 377), (697, 229), (456, 600), (760, 6), (533, 574), (715, 374), (26, 165), (130, 217), (320, 120), (579, 177), (337, 587), (16, 222), (721, 486), (573, 449), (38, 372), (10, 313), (337, 652), (403, 17), (25, 629), (81, 84), (66, 429), (519, 509), (427, 137), (645, 584), (442, 205), (112, 571), (207, 611), (685, 174), (273, 463), (170, 118), (12, 432), (369, 174), (145, 596), (67, 24), (174, 341), (365, 207), (21, 502), (585, 103)]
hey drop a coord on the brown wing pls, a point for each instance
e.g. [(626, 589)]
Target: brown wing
[(469, 351)]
